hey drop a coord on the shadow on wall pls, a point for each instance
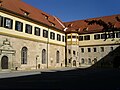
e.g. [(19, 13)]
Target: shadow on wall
[(111, 60)]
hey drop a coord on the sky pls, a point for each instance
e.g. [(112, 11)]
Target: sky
[(71, 10)]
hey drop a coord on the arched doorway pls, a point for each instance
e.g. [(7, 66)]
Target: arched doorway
[(4, 62), (74, 63), (116, 62)]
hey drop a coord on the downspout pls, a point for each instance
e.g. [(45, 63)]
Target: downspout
[(65, 47), (47, 47)]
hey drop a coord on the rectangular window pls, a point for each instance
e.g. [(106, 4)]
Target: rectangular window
[(58, 37), (82, 50), (52, 35), (103, 36), (73, 52), (95, 50), (69, 51), (97, 36), (118, 35), (28, 29), (80, 38), (37, 31), (111, 35), (89, 49), (73, 36), (18, 26), (45, 33), (1, 21), (8, 23), (63, 38), (87, 37), (102, 49), (69, 37)]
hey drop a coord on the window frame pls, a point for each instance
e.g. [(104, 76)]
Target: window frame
[(37, 31), (6, 23), (45, 33), (52, 35), (28, 29), (21, 26)]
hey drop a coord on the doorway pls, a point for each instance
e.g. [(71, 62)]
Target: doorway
[(74, 63), (4, 62)]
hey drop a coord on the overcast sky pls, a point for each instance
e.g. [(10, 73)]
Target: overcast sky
[(70, 10)]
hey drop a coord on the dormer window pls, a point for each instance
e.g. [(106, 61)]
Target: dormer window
[(26, 13), (46, 17), (85, 29), (1, 3), (53, 24)]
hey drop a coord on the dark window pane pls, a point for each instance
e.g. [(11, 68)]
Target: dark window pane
[(118, 35), (95, 50), (87, 37), (63, 38), (82, 50), (45, 33), (102, 49), (52, 35), (73, 36), (69, 37), (24, 55), (74, 52), (28, 29), (8, 23), (43, 56), (89, 49), (80, 38), (1, 21), (58, 37), (37, 31), (111, 35), (18, 26), (103, 36), (97, 36)]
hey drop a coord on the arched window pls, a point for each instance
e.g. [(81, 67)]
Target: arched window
[(82, 61), (24, 55), (95, 60), (89, 61), (57, 57), (43, 56)]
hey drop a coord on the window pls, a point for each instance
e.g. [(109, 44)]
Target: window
[(111, 48), (8, 23), (102, 49), (80, 38), (43, 56), (82, 50), (28, 29), (1, 21), (73, 52), (82, 61), (37, 31), (57, 57), (18, 26), (94, 49), (95, 60), (73, 36), (69, 60), (45, 33), (63, 38), (69, 37), (24, 55), (103, 36), (69, 51), (89, 49), (87, 37), (52, 35), (89, 61), (97, 36), (118, 35), (58, 37), (111, 35)]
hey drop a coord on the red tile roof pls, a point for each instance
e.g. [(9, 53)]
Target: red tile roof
[(81, 26), (20, 7)]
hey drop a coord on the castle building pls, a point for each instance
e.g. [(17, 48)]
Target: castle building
[(31, 39)]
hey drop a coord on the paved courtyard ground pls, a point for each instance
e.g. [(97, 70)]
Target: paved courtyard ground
[(76, 79)]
